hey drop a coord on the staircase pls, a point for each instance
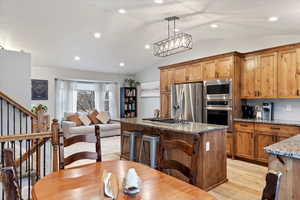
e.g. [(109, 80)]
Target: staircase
[(34, 146)]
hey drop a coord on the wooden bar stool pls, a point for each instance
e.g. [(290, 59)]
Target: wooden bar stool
[(153, 140), (131, 136), (271, 190)]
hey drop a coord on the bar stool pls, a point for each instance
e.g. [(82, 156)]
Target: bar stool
[(132, 147), (153, 140)]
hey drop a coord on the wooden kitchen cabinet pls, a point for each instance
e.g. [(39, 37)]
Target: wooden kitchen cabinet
[(289, 73), (165, 111), (248, 76), (166, 79), (262, 140), (209, 70), (194, 72), (224, 67), (259, 76), (245, 144), (180, 75), (229, 144)]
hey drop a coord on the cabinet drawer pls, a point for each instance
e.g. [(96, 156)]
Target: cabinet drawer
[(279, 129), (243, 126)]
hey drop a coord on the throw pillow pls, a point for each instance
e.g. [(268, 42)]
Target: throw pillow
[(75, 118), (103, 117), (85, 120), (93, 117)]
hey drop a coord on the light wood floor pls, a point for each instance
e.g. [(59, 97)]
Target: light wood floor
[(246, 180)]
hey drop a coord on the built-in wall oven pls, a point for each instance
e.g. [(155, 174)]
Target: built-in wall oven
[(218, 102)]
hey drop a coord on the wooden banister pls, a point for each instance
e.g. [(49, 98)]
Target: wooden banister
[(18, 106), (55, 143), (28, 136)]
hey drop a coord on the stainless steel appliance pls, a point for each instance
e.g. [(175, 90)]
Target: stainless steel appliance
[(186, 102), (218, 89), (267, 111), (218, 102)]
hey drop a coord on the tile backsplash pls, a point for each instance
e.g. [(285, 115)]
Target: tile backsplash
[(284, 109)]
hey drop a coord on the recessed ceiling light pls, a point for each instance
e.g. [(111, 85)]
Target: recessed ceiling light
[(273, 19), (147, 46), (214, 25), (122, 64), (122, 11), (177, 30), (76, 58), (97, 35), (158, 1)]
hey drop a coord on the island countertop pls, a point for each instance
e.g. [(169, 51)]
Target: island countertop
[(289, 148), (189, 127)]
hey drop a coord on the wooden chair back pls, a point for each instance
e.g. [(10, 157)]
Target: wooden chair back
[(9, 177), (271, 190), (80, 155), (190, 150)]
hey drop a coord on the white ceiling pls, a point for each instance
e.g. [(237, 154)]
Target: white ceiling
[(54, 31)]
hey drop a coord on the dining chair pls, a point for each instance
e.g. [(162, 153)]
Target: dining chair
[(271, 190), (9, 177), (79, 155), (181, 145)]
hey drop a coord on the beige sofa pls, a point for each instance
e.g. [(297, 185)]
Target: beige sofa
[(106, 130)]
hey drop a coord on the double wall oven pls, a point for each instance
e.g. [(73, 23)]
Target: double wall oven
[(217, 96)]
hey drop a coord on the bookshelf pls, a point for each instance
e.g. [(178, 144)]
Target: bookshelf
[(128, 102)]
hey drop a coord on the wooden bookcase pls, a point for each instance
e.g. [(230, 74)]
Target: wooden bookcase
[(128, 102)]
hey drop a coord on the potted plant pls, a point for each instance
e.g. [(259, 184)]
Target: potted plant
[(39, 109), (131, 82)]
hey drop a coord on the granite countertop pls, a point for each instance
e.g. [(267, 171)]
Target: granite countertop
[(289, 147), (279, 122), (189, 127)]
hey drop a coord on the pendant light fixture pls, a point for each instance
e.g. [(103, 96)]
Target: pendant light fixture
[(175, 43)]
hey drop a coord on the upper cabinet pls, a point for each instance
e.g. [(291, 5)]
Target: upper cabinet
[(194, 72), (224, 67), (259, 76), (180, 74), (166, 79), (209, 70), (289, 74)]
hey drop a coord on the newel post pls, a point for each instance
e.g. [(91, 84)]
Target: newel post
[(55, 144)]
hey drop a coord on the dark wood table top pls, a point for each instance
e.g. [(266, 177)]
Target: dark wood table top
[(85, 182)]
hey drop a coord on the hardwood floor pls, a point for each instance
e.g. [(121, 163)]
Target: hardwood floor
[(246, 180)]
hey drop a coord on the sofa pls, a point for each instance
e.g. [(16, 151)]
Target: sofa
[(112, 128)]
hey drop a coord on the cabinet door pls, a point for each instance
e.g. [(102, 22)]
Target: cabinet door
[(194, 72), (245, 144), (165, 105), (171, 80), (224, 67), (261, 141), (268, 75), (288, 74), (209, 70), (179, 75), (248, 73), (229, 144), (164, 80)]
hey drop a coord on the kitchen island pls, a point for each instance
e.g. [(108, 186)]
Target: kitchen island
[(211, 163), (284, 157)]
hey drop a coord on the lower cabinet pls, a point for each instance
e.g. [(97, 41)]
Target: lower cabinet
[(244, 144), (229, 144), (262, 140), (250, 139), (165, 105)]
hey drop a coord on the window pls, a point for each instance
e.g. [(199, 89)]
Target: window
[(106, 101), (85, 100)]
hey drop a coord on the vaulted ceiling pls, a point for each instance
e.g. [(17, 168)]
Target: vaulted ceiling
[(55, 31)]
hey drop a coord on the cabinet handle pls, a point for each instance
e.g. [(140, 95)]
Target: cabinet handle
[(298, 92), (258, 93), (243, 125), (275, 128)]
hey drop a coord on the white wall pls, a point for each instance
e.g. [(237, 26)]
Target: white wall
[(50, 73), (15, 70), (214, 47)]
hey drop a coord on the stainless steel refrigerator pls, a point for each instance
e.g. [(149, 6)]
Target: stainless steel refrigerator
[(186, 101)]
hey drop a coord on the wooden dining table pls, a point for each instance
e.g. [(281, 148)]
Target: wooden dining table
[(85, 183)]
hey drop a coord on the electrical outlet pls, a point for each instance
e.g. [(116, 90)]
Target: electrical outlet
[(288, 108), (207, 146)]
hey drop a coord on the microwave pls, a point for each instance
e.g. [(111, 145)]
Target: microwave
[(218, 89)]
